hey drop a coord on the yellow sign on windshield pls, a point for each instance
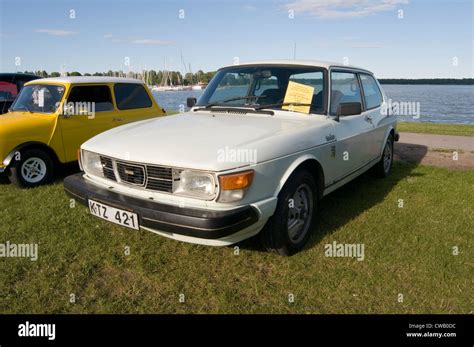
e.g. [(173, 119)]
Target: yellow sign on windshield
[(299, 94)]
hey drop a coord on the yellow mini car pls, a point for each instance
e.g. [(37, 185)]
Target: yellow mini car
[(52, 117)]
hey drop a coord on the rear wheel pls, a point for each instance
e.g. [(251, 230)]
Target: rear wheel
[(384, 166), (289, 229), (33, 168)]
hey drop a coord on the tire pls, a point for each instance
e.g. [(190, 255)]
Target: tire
[(277, 236), (384, 167), (34, 168)]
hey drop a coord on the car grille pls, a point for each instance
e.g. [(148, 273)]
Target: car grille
[(108, 168), (157, 178)]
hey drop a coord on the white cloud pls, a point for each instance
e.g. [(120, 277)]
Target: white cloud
[(136, 41), (367, 45), (343, 8), (53, 32), (250, 8), (149, 42)]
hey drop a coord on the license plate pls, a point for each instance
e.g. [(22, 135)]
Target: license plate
[(114, 215)]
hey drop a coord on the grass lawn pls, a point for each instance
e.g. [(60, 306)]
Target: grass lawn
[(439, 129), (407, 251)]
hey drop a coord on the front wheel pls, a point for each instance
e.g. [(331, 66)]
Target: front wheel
[(289, 229), (33, 168)]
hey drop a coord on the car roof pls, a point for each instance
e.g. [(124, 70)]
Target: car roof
[(87, 79), (315, 63), (4, 76)]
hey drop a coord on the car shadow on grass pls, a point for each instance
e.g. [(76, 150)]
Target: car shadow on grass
[(346, 203), (61, 172)]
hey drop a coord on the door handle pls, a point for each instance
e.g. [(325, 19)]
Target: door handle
[(368, 118), (117, 119)]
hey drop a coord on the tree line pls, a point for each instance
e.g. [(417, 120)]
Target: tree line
[(153, 77), (150, 77), (458, 81)]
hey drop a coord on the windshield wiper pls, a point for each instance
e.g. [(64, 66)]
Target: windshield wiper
[(282, 104), (217, 103)]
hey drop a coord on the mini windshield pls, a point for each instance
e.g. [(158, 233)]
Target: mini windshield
[(262, 86), (41, 98)]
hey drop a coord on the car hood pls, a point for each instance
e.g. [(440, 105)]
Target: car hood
[(21, 127), (207, 141)]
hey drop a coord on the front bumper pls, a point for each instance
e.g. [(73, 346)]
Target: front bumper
[(203, 224)]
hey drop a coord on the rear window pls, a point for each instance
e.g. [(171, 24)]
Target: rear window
[(130, 96), (99, 95)]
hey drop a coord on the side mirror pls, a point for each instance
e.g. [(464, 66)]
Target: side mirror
[(191, 102), (348, 109)]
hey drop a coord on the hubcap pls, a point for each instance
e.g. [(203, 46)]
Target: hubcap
[(33, 170), (300, 212), (387, 157)]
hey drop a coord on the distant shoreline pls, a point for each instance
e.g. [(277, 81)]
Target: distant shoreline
[(429, 81)]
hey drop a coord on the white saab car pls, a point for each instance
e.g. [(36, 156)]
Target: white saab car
[(254, 155)]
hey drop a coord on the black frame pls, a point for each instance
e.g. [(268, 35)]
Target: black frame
[(355, 72)]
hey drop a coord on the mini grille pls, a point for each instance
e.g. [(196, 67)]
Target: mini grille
[(231, 111), (132, 174)]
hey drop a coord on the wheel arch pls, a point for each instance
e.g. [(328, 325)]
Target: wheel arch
[(390, 131), (312, 164), (31, 144)]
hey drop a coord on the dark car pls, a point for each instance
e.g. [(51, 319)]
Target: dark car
[(10, 86)]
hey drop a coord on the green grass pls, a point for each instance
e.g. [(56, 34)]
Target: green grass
[(407, 250), (439, 129)]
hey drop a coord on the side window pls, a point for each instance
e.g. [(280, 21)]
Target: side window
[(372, 95), (313, 79), (344, 88), (130, 96), (99, 95)]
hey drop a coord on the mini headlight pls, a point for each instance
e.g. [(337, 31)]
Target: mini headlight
[(91, 163), (194, 184)]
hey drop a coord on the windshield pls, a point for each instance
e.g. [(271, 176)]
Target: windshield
[(42, 98), (263, 86)]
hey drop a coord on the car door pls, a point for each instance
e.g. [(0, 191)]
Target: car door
[(352, 132), (88, 110), (373, 101), (133, 103)]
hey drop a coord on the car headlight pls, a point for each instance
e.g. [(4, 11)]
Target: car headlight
[(91, 163), (196, 184), (234, 186)]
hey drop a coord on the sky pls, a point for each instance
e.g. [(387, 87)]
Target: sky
[(392, 38)]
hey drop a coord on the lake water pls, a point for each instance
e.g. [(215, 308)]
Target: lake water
[(438, 103)]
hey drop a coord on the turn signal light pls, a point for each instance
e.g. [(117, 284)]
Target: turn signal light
[(239, 180)]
